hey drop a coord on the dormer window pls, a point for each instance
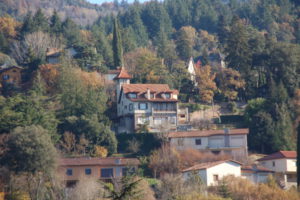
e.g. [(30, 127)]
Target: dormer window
[(167, 95), (132, 95)]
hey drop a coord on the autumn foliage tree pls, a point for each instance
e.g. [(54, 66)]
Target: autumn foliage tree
[(229, 82), (206, 84)]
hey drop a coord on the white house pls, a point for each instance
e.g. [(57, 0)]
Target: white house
[(284, 164), (211, 172), (228, 141), (256, 173), (152, 105), (191, 70)]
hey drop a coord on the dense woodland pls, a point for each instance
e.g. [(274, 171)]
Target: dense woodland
[(69, 107)]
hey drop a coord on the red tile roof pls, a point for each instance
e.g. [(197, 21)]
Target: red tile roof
[(142, 88), (123, 74), (208, 165), (156, 89), (255, 168), (280, 155), (86, 161), (205, 133)]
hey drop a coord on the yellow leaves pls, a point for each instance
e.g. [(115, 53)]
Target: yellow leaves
[(100, 151), (230, 82), (93, 79), (8, 26), (86, 36), (206, 84), (50, 74), (205, 36)]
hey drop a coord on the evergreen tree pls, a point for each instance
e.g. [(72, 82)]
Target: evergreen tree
[(4, 47), (104, 48), (155, 16), (55, 24), (117, 45), (185, 42), (40, 22), (133, 19), (71, 32), (28, 25), (237, 47), (128, 39)]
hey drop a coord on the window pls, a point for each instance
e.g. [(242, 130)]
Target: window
[(125, 107), (216, 177), (168, 95), (107, 172), (132, 95), (172, 120), (143, 106), (131, 107), (198, 141), (6, 77), (273, 163), (69, 172), (88, 171), (180, 141), (127, 171)]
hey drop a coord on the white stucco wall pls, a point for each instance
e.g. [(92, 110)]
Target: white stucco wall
[(291, 165), (280, 165), (224, 169), (216, 141), (210, 142), (237, 140), (189, 143)]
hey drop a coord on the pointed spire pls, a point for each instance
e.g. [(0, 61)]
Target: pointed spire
[(123, 74)]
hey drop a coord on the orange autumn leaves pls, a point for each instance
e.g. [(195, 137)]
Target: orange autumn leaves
[(230, 81), (50, 74)]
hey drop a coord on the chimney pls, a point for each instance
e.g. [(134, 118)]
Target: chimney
[(226, 130), (148, 93)]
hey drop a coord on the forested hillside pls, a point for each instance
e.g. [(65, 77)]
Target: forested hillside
[(80, 11), (244, 51)]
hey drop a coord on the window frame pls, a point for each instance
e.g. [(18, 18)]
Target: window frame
[(143, 103), (88, 171), (197, 141), (132, 95), (102, 171), (69, 172), (168, 95), (130, 107), (6, 77)]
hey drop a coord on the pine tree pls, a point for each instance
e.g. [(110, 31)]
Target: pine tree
[(28, 26), (117, 45), (71, 33), (4, 47), (40, 22), (237, 47), (55, 24)]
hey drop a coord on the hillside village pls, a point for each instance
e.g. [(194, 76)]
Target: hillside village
[(157, 100)]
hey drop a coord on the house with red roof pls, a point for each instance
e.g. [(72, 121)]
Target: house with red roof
[(72, 170), (232, 142), (284, 164), (154, 106), (212, 172)]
